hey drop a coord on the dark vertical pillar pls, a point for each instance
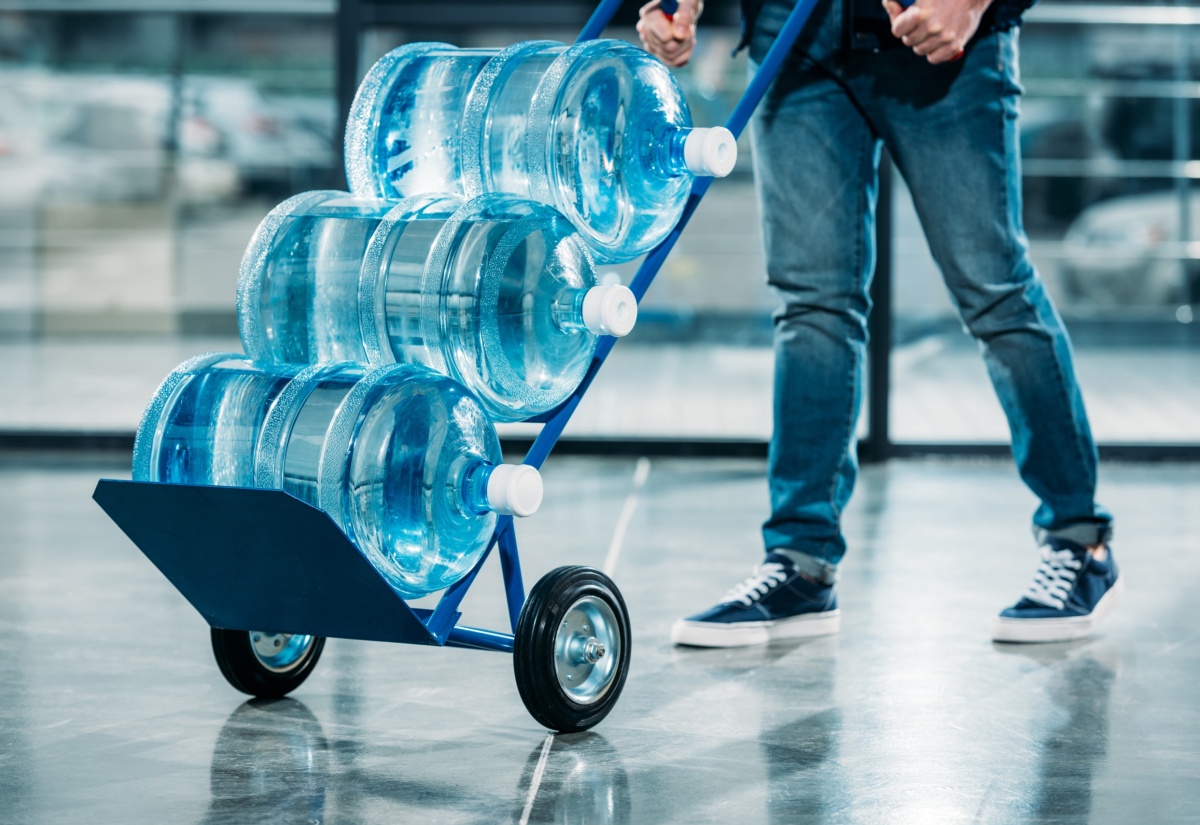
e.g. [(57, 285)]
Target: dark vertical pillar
[(877, 446), (348, 32), (182, 25), (1182, 140)]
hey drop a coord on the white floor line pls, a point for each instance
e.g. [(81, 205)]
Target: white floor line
[(640, 473), (537, 779)]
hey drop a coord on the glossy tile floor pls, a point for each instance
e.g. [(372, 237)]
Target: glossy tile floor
[(112, 710)]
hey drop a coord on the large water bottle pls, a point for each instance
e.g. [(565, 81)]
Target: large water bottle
[(403, 459), (498, 293), (600, 130)]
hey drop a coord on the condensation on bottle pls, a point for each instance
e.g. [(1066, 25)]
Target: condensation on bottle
[(496, 292), (403, 459), (600, 130)]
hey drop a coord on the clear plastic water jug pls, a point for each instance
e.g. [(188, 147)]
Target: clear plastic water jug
[(600, 130), (497, 293), (403, 459)]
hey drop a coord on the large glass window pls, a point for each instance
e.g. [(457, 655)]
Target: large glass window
[(1111, 151), (138, 152)]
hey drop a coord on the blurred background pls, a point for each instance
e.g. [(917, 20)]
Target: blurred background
[(142, 141)]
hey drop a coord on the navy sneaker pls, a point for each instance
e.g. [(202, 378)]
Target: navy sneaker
[(776, 602), (1071, 591)]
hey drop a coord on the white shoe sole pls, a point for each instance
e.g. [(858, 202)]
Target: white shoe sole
[(1058, 630), (745, 634)]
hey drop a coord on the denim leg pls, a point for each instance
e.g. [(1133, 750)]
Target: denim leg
[(815, 171), (952, 130)]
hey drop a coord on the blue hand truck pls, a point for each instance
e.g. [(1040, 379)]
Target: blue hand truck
[(249, 558)]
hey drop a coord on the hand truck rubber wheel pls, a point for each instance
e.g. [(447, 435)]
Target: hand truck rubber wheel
[(571, 648), (266, 665)]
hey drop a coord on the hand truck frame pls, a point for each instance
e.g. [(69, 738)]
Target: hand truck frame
[(249, 558)]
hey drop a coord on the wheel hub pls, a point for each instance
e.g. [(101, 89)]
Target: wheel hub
[(279, 652), (586, 649), (593, 650)]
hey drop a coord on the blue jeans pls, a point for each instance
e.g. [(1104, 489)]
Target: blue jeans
[(952, 132)]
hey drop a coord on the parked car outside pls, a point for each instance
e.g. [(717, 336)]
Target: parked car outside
[(106, 138), (1128, 252)]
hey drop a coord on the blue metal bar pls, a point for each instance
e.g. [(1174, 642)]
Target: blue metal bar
[(553, 428), (769, 67), (599, 20), (478, 639), (510, 569), (442, 620), (510, 562), (654, 261)]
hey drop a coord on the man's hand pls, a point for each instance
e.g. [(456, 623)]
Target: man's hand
[(938, 30), (671, 41)]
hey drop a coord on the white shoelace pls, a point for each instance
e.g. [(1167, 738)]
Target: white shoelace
[(765, 576), (1054, 579)]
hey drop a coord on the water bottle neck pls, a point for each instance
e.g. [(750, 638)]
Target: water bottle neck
[(671, 161), (470, 486), (506, 489), (707, 152), (567, 310), (609, 309)]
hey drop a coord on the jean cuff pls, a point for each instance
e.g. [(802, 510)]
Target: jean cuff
[(1089, 534), (816, 569)]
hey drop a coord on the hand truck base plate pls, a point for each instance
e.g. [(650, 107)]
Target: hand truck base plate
[(251, 559)]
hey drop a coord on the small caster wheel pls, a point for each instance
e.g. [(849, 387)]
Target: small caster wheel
[(266, 665), (571, 648)]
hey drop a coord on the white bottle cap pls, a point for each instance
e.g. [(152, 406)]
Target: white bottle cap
[(610, 309), (514, 490), (710, 151)]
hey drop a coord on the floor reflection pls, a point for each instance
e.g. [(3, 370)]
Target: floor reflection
[(1076, 749), (765, 712), (1073, 733), (796, 754), (16, 752), (800, 742), (270, 764), (583, 780)]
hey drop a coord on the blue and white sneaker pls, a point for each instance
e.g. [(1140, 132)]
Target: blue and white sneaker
[(776, 602), (1072, 590)]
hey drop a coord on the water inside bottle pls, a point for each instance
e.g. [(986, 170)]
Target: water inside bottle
[(617, 180), (212, 418), (305, 444), (405, 482), (389, 454), (487, 292), (503, 159), (589, 129), (417, 144), (298, 292), (513, 334)]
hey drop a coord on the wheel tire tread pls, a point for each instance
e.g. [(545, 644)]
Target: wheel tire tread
[(537, 681), (235, 657)]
